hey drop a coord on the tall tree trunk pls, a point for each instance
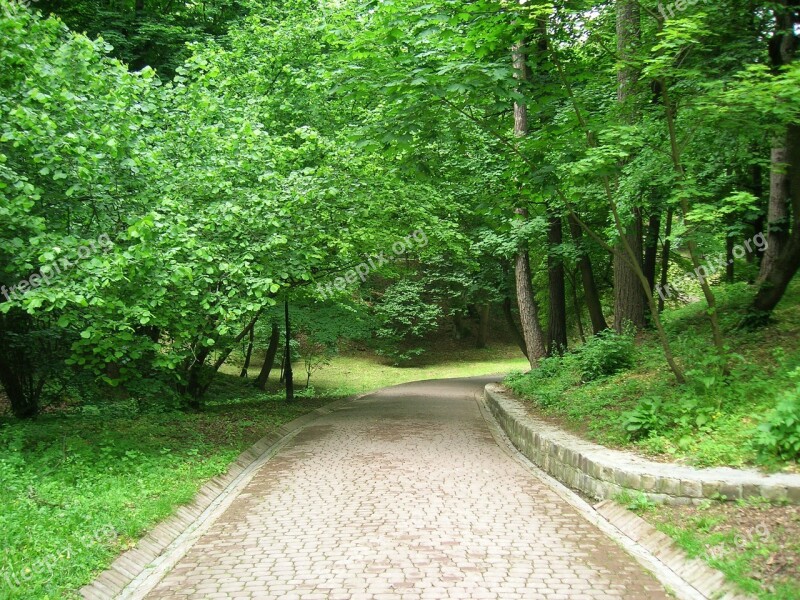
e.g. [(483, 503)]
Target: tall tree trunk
[(782, 258), (269, 359), (557, 315), (773, 287), (528, 309), (665, 250), (784, 267), (651, 249), (483, 326), (576, 306), (512, 326), (778, 207), (587, 278), (628, 298), (526, 299), (249, 353), (782, 48)]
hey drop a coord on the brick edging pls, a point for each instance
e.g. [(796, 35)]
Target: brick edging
[(603, 473), (132, 563), (708, 581)]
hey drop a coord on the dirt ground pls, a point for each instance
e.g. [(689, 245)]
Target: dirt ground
[(765, 538)]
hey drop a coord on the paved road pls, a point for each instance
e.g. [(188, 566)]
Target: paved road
[(403, 494)]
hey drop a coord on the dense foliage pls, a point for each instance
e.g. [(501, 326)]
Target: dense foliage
[(168, 185)]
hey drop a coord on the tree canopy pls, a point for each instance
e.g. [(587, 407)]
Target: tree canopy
[(173, 173)]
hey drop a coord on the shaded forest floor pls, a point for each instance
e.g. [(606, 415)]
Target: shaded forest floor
[(756, 544), (359, 370)]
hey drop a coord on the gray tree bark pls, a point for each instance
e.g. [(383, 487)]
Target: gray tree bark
[(526, 299), (628, 297)]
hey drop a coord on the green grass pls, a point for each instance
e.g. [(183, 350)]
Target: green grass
[(754, 543), (81, 486), (712, 420), (78, 489), (358, 372)]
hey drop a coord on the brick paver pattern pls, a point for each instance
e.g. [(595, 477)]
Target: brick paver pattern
[(403, 494)]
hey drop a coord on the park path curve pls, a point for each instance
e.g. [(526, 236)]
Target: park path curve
[(403, 494)]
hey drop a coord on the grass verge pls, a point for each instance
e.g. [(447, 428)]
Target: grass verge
[(756, 544), (79, 489)]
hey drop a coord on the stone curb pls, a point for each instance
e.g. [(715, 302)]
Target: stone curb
[(130, 565), (601, 473), (710, 582)]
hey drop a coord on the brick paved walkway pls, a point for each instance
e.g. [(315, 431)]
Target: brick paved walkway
[(403, 494)]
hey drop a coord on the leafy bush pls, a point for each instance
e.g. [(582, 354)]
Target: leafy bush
[(513, 377), (406, 316), (605, 354), (647, 418), (778, 436), (549, 367), (548, 382)]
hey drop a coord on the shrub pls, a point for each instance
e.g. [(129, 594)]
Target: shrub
[(778, 436), (406, 315), (645, 419), (605, 354), (549, 367), (546, 384)]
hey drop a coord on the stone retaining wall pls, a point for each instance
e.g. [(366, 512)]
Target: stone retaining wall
[(603, 473)]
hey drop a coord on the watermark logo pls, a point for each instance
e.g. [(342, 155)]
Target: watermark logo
[(49, 273), (758, 243), (743, 539), (669, 10), (16, 577), (399, 248)]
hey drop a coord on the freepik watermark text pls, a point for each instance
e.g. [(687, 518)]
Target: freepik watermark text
[(749, 537), (18, 576), (416, 239), (758, 243), (49, 273), (669, 10)]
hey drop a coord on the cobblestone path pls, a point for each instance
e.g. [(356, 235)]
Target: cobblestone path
[(403, 494)]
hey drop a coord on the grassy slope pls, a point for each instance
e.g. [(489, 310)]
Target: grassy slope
[(79, 489), (710, 421)]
